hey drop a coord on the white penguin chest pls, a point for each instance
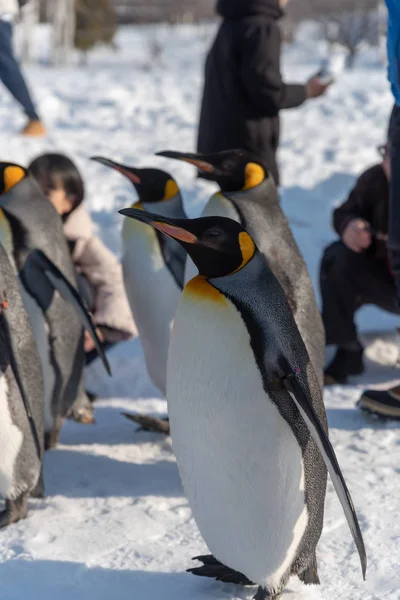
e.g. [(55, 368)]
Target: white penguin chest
[(153, 296), (11, 438), (240, 463)]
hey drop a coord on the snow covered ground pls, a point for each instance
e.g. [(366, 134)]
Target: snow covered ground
[(115, 523)]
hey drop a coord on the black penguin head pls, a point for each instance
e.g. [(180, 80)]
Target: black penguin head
[(233, 170), (152, 185), (10, 175), (218, 246)]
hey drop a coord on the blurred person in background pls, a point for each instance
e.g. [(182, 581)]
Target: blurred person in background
[(355, 270), (10, 72), (243, 89), (99, 272), (386, 403)]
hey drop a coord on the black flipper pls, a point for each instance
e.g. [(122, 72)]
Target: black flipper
[(207, 559), (59, 282), (148, 423), (214, 569), (328, 454)]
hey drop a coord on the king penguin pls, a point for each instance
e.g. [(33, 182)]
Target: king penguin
[(249, 196), (33, 238), (153, 269), (21, 400), (248, 423)]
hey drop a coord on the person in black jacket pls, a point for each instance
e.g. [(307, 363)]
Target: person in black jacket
[(243, 89), (355, 270)]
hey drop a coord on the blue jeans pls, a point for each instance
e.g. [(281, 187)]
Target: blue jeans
[(394, 203), (10, 72)]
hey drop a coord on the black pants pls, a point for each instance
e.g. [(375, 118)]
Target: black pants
[(394, 205), (349, 280), (87, 294)]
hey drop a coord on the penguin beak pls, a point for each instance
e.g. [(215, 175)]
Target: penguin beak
[(198, 160), (171, 227), (129, 172)]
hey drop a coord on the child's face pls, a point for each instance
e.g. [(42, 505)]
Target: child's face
[(62, 202)]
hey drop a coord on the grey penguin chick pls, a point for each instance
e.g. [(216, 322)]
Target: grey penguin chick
[(32, 235), (248, 423), (21, 400), (249, 196)]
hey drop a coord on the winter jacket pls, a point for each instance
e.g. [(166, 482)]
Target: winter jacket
[(9, 8), (103, 273), (368, 200), (243, 89), (393, 45)]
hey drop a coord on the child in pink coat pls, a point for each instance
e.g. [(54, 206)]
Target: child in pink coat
[(99, 271)]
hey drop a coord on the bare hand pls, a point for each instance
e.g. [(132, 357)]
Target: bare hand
[(88, 342), (316, 88), (357, 235)]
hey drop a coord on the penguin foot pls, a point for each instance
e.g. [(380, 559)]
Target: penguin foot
[(148, 423), (83, 415), (38, 491), (15, 511), (263, 594), (216, 570), (310, 575), (51, 437)]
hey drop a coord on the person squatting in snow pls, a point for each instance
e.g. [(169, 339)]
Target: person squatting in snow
[(355, 270), (387, 402), (99, 272)]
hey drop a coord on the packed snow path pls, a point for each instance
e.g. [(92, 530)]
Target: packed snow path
[(114, 523)]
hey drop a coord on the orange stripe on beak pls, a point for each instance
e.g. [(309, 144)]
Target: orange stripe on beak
[(200, 164), (175, 232), (134, 178)]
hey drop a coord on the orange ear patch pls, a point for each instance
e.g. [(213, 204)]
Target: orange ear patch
[(12, 175), (171, 190), (247, 248), (254, 175)]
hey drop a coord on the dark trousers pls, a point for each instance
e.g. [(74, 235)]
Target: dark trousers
[(349, 280), (10, 72), (394, 204), (86, 293)]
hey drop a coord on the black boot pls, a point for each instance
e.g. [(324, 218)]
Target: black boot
[(345, 363), (384, 403)]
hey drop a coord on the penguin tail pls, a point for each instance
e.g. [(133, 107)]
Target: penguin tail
[(148, 423), (214, 569)]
